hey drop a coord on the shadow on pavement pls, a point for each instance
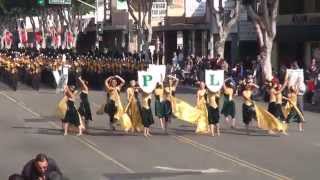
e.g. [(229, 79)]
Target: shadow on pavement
[(146, 176), (253, 132), (312, 107), (41, 120), (241, 132), (33, 130), (116, 133)]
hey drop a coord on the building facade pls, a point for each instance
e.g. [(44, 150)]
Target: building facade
[(183, 25), (298, 35)]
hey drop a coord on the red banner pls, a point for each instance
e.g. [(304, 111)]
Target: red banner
[(38, 37)]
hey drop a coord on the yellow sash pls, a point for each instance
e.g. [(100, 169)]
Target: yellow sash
[(267, 121), (190, 114)]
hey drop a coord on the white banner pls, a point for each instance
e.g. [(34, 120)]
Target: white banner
[(99, 11), (294, 75), (65, 70), (195, 8), (56, 76), (122, 5), (147, 81), (159, 69), (159, 8), (214, 80), (107, 6)]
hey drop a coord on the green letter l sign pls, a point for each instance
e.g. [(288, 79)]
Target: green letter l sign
[(212, 82)]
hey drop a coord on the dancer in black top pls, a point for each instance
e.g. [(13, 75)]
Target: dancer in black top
[(248, 110), (113, 97), (72, 116), (84, 109)]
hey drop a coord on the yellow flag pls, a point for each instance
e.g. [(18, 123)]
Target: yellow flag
[(267, 121), (186, 112), (100, 110), (123, 117), (288, 108), (133, 112), (62, 108), (190, 114)]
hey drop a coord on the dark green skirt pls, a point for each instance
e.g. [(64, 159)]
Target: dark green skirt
[(293, 116), (228, 108), (72, 116), (213, 115), (248, 113), (147, 117), (159, 110)]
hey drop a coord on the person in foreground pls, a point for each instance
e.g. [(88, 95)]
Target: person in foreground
[(41, 168)]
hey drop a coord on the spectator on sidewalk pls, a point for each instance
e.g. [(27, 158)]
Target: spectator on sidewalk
[(55, 176), (301, 91), (40, 168), (16, 177), (316, 95)]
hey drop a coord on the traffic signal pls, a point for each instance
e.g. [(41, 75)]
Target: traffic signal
[(100, 28), (41, 2)]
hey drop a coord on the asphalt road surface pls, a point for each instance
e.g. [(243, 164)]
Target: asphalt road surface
[(28, 126)]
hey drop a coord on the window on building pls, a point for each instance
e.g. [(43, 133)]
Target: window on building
[(291, 7), (317, 6)]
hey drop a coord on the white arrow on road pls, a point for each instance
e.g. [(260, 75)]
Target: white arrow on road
[(211, 170), (317, 144)]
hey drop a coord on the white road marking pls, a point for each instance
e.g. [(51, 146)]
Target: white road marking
[(180, 138), (82, 140), (95, 104), (8, 97), (207, 171), (227, 156), (231, 158)]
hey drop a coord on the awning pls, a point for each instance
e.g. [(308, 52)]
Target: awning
[(296, 33)]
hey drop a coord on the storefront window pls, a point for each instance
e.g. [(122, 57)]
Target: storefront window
[(317, 6), (291, 7), (315, 50)]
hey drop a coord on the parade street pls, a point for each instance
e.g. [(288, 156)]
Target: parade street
[(28, 126)]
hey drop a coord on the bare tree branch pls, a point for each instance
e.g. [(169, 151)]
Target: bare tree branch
[(236, 15), (211, 6), (255, 17), (275, 9), (266, 16), (131, 11)]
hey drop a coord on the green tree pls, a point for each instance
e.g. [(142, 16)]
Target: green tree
[(140, 11)]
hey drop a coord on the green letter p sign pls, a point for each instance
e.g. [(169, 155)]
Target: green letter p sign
[(146, 79)]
